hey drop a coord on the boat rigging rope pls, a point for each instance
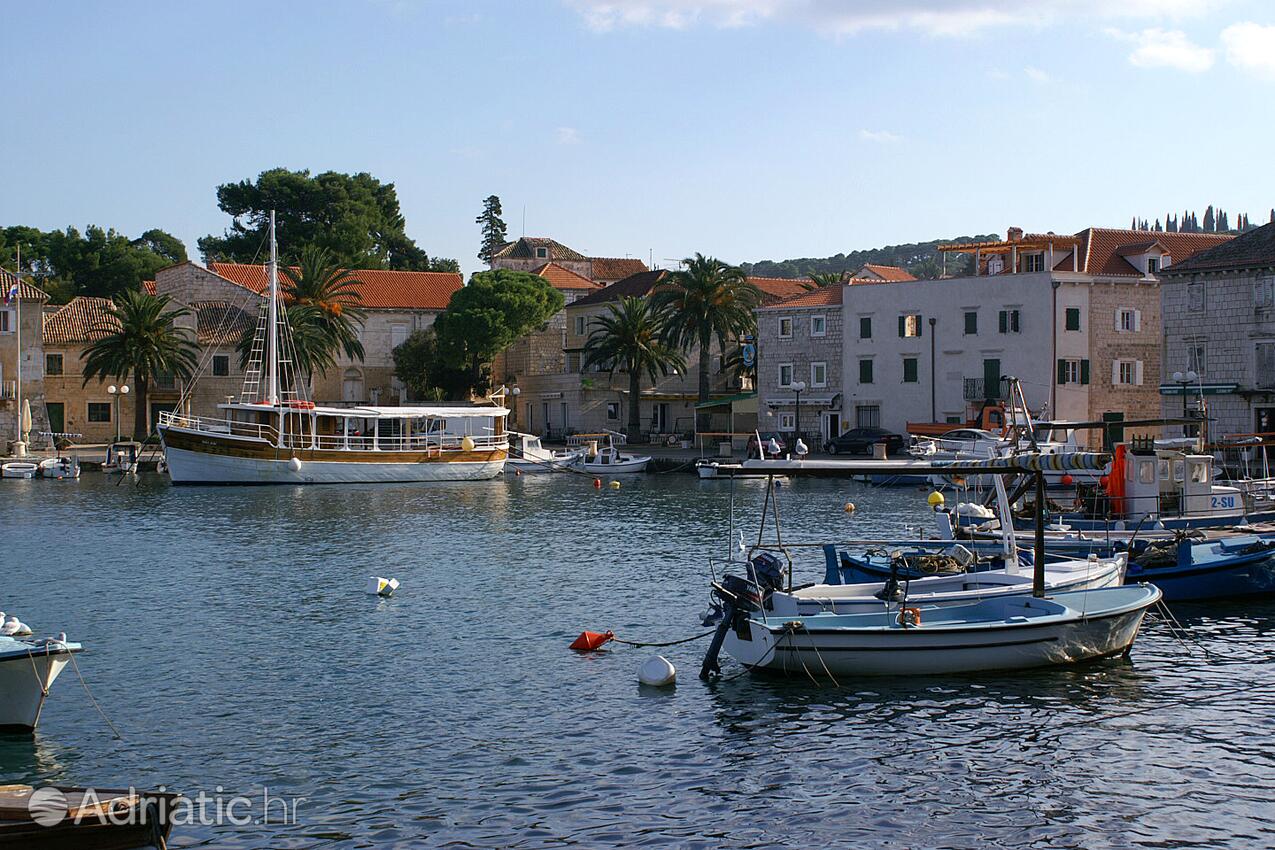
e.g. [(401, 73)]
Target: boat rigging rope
[(76, 665)]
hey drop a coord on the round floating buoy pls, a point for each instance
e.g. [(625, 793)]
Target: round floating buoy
[(597, 484), (614, 485), (657, 672), (590, 641), (935, 499), (849, 507), (468, 444), (1067, 480), (295, 464)]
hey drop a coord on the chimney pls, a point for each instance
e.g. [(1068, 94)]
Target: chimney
[(1014, 234)]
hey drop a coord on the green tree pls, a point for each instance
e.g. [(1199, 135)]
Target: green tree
[(493, 228), (630, 338), (355, 216), (338, 315), (99, 262), (706, 300), (418, 365), (485, 317), (140, 339)]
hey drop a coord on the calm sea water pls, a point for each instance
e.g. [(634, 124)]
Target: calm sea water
[(231, 641)]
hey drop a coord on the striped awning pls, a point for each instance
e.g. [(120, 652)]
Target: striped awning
[(1033, 462)]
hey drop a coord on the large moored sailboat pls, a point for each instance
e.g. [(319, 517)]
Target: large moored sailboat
[(273, 434)]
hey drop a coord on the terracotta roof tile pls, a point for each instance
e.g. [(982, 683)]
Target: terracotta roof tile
[(891, 273), (524, 249), (380, 289), (220, 322), (778, 288), (28, 292), (824, 296), (1100, 248), (635, 285), (82, 319), (1254, 249), (563, 278), (615, 268)]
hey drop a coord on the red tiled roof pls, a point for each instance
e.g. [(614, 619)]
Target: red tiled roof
[(26, 291), (379, 289), (1100, 248), (891, 273), (778, 288), (563, 278), (1254, 249), (633, 286), (524, 247), (823, 296), (615, 268), (82, 319)]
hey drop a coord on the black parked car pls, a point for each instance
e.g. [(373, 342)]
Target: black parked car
[(861, 441)]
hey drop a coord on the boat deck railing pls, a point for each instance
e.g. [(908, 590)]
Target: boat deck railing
[(432, 442)]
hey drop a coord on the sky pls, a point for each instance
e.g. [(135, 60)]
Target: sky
[(744, 129)]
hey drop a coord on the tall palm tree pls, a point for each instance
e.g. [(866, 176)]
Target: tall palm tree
[(706, 300), (139, 338), (630, 338), (335, 313), (820, 280)]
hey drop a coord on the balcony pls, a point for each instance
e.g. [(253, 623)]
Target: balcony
[(8, 389), (977, 389)]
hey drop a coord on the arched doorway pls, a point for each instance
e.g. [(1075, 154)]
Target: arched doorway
[(352, 385)]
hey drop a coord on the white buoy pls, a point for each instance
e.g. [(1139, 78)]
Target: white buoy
[(382, 586), (295, 464), (657, 672)]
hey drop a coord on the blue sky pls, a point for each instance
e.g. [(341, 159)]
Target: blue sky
[(748, 129)]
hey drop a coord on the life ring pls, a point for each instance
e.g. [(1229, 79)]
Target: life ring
[(909, 617)]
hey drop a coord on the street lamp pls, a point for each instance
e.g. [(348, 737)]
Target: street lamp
[(797, 387), (1184, 380), (116, 395), (516, 392)]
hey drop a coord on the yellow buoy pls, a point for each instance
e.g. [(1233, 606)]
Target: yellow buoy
[(615, 485), (935, 499), (849, 507), (468, 444)]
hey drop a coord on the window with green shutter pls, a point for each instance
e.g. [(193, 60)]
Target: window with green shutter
[(910, 325), (1062, 372), (865, 371), (1073, 318), (909, 370), (1002, 321), (865, 327), (1007, 321), (1084, 371), (971, 322)]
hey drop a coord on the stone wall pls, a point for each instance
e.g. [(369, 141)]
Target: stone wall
[(800, 350), (1107, 345)]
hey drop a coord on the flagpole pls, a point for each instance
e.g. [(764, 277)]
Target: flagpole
[(20, 449)]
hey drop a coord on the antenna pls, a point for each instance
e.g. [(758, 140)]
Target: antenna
[(524, 219)]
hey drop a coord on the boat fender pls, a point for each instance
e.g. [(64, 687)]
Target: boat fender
[(597, 484), (591, 641), (615, 485), (909, 618), (657, 672), (849, 507), (468, 444), (295, 464), (382, 586)]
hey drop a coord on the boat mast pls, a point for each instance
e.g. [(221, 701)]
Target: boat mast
[(272, 338)]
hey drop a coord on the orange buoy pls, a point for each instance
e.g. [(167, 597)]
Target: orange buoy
[(590, 641), (597, 484)]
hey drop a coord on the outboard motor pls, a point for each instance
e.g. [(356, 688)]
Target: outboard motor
[(740, 597)]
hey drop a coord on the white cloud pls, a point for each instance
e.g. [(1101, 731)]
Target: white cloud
[(1036, 75), (884, 137), (1157, 48), (568, 136), (1251, 47), (846, 17)]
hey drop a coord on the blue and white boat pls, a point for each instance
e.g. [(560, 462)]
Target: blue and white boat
[(1188, 570), (28, 668)]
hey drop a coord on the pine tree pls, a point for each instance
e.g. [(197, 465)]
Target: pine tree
[(493, 228)]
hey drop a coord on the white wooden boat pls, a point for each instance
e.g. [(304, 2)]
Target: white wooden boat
[(1004, 633), (273, 434), (28, 669), (602, 455), (122, 458), (60, 468), (19, 469), (526, 454)]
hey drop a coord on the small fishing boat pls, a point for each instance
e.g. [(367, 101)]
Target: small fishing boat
[(28, 668), (709, 470), (19, 469), (603, 456), (526, 454), (1188, 570), (64, 817), (60, 468), (900, 628), (122, 458)]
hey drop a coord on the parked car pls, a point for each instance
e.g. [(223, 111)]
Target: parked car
[(861, 441), (766, 437)]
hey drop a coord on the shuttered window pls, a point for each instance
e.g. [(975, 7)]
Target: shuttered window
[(865, 327), (865, 371), (971, 322), (909, 370), (1073, 319)]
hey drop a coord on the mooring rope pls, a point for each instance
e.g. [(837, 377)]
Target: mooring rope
[(700, 636)]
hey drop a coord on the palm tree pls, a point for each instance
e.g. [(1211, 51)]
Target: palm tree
[(820, 280), (630, 338), (335, 313), (139, 338), (706, 300)]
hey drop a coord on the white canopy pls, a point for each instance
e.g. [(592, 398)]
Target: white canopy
[(379, 412)]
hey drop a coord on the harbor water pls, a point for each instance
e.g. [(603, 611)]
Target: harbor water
[(230, 640)]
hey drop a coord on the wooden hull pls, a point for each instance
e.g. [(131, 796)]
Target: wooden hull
[(199, 457)]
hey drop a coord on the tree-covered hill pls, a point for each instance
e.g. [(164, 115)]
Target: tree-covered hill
[(920, 258)]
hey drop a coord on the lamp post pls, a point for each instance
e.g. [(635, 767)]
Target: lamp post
[(116, 394), (515, 392), (797, 387), (1184, 380)]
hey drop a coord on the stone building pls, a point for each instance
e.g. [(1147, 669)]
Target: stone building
[(31, 301), (799, 339), (530, 253), (1219, 322)]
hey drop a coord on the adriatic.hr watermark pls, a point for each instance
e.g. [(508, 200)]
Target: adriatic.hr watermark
[(49, 807)]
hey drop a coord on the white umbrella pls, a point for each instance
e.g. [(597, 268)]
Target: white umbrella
[(26, 418)]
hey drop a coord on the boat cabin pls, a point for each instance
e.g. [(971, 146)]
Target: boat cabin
[(1153, 482)]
